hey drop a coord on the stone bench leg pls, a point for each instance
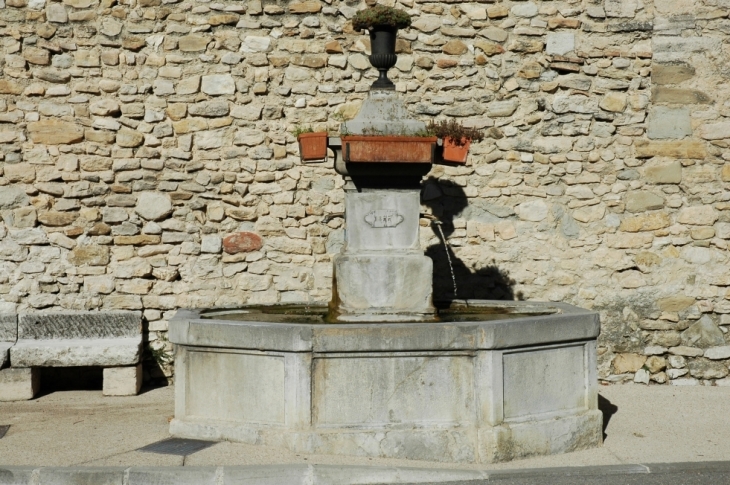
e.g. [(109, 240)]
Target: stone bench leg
[(19, 383), (122, 381)]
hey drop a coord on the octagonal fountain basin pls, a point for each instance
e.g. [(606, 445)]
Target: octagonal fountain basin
[(486, 381)]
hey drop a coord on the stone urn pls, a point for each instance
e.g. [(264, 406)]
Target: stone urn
[(383, 56), (382, 23)]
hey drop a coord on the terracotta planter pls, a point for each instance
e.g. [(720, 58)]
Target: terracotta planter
[(455, 153), (403, 149), (313, 146)]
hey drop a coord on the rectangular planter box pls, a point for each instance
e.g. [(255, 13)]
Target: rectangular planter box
[(394, 149)]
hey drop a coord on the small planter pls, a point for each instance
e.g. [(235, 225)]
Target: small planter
[(456, 153), (388, 149), (313, 146)]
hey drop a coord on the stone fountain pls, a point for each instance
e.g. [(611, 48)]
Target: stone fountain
[(382, 371)]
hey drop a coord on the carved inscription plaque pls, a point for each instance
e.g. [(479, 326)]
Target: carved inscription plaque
[(383, 218)]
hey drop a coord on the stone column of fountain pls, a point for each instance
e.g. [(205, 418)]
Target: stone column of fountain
[(382, 274), (480, 382)]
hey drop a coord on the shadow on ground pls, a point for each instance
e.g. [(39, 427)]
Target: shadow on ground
[(608, 410)]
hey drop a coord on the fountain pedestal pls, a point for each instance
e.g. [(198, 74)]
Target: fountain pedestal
[(381, 273)]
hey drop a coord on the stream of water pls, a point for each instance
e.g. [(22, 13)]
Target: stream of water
[(448, 256)]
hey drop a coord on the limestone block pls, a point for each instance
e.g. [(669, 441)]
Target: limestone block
[(65, 325), (723, 230), (560, 43), (111, 27), (8, 327), (694, 149), (427, 23), (311, 6), (696, 254), (223, 19), (358, 61), (666, 173), (4, 353), (534, 210), (153, 206), (8, 335), (663, 94), (19, 383), (663, 123), (645, 222), (99, 284), (680, 47), (575, 104), (129, 138), (211, 244), (526, 9), (373, 283), (37, 56), (218, 84), (89, 255), (454, 48), (497, 11), (252, 44), (718, 353), (525, 45), (56, 13), (502, 108), (104, 107), (12, 197), (703, 334), (55, 132), (57, 219), (643, 200), (671, 73), (74, 352), (122, 381), (189, 85), (382, 220), (614, 102), (624, 363), (209, 108), (715, 131), (698, 215), (620, 8), (193, 43), (86, 58), (58, 76), (701, 368)]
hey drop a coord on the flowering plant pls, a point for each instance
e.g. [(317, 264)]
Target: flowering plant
[(381, 16)]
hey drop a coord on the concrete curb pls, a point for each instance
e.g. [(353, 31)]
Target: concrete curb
[(316, 474)]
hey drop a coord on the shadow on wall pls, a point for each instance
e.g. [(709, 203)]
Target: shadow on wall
[(487, 282)]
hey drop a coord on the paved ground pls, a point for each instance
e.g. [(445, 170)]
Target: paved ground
[(655, 424)]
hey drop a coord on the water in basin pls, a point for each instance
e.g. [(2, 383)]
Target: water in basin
[(456, 311)]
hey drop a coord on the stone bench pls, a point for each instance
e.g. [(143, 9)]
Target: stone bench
[(112, 340), (8, 336)]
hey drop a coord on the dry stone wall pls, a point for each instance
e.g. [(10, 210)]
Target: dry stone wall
[(147, 161)]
